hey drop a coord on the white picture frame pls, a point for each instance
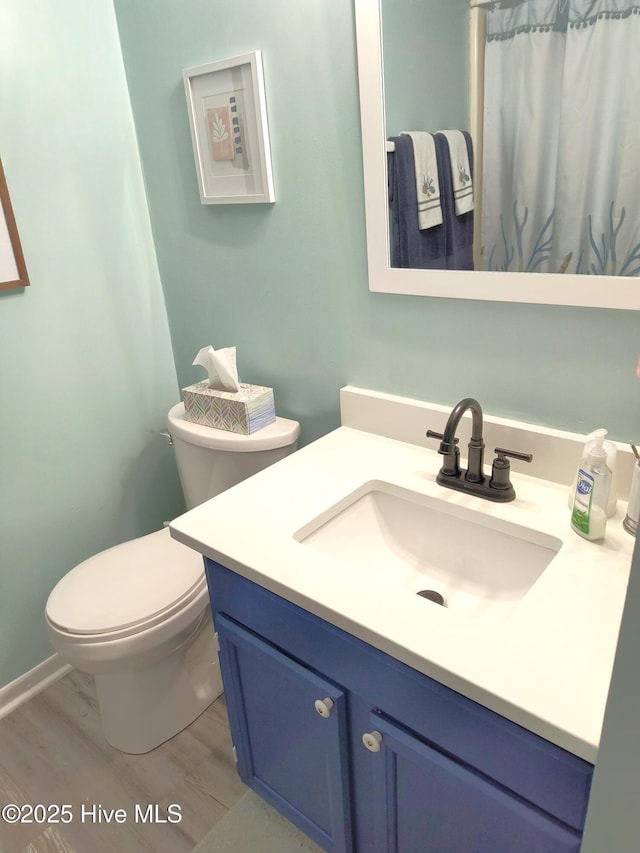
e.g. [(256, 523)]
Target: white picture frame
[(227, 110)]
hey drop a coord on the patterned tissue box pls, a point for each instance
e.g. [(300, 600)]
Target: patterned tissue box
[(244, 411)]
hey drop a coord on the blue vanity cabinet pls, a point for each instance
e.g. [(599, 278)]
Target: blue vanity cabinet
[(400, 763), (426, 800), (290, 733)]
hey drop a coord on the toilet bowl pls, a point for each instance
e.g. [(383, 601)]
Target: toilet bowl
[(137, 616)]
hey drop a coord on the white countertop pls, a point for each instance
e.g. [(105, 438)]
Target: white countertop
[(546, 666)]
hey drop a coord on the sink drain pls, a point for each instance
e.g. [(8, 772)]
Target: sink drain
[(432, 595)]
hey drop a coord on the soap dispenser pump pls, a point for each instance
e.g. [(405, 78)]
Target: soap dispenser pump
[(589, 514)]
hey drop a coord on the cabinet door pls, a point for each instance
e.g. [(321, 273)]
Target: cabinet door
[(290, 752), (426, 801)]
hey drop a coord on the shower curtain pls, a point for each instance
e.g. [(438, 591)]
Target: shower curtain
[(561, 166)]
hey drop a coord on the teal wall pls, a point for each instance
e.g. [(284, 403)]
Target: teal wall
[(426, 59), (86, 369), (283, 282), (287, 283)]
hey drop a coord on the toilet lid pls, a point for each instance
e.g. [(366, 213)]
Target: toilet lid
[(144, 580)]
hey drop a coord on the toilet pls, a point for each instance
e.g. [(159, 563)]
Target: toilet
[(137, 616)]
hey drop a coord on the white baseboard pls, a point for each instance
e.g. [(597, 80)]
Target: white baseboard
[(31, 683)]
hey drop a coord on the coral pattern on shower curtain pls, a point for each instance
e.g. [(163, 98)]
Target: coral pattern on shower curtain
[(561, 171)]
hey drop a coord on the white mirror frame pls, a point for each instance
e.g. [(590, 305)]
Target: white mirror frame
[(542, 288)]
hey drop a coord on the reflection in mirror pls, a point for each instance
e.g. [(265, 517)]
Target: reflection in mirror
[(430, 170), (515, 234), (557, 188), (561, 177)]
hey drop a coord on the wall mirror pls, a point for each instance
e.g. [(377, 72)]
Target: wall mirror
[(596, 289)]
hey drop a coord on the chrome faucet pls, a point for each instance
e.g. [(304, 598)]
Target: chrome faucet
[(498, 487)]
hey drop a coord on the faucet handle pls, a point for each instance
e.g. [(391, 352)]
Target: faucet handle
[(448, 449), (501, 467), (431, 434), (514, 454)]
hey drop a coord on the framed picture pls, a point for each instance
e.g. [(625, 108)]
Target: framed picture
[(13, 271), (228, 118)]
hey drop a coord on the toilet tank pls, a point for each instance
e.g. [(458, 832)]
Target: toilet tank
[(211, 460)]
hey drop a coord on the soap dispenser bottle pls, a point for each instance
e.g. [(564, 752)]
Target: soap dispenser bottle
[(589, 514), (609, 446)]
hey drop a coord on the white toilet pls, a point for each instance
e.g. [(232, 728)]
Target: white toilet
[(137, 615)]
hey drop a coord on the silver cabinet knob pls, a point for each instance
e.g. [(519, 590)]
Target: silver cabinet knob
[(372, 741), (324, 706)]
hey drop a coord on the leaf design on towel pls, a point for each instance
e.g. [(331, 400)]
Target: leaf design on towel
[(219, 129), (427, 185)]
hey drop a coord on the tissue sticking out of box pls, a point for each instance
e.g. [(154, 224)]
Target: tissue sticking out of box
[(221, 401), (220, 366)]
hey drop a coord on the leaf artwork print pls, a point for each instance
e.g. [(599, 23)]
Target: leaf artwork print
[(220, 134)]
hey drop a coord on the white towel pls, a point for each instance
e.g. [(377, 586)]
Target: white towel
[(460, 171), (427, 184)]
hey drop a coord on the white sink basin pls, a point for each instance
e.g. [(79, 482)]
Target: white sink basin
[(481, 565)]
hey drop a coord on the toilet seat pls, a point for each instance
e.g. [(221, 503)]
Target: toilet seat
[(128, 588)]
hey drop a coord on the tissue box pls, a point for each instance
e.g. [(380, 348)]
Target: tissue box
[(244, 411)]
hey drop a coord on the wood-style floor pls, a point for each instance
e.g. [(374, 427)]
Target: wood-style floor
[(52, 753)]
